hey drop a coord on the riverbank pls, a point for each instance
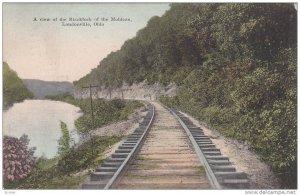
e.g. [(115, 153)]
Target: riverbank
[(105, 111), (14, 89), (70, 170), (40, 120)]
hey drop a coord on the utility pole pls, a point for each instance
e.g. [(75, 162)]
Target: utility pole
[(122, 94), (110, 93), (91, 98)]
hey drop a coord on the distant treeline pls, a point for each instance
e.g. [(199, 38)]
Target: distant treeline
[(41, 89), (235, 65), (14, 89)]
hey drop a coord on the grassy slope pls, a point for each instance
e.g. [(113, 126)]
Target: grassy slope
[(105, 111)]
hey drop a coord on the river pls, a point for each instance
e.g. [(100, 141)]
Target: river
[(40, 120)]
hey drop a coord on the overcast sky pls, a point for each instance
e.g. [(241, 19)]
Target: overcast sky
[(52, 52)]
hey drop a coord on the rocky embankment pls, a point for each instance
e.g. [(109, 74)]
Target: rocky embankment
[(140, 91)]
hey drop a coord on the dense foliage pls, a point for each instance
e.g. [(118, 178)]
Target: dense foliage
[(88, 153), (14, 89), (66, 171), (105, 111), (235, 65), (64, 140), (18, 159)]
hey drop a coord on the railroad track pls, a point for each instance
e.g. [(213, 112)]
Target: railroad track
[(167, 151)]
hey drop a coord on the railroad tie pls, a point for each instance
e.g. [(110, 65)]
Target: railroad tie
[(105, 173), (222, 168), (166, 159), (167, 151)]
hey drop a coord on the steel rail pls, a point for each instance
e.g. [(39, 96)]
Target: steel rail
[(210, 174), (131, 154)]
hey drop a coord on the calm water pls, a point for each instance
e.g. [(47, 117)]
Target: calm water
[(40, 120)]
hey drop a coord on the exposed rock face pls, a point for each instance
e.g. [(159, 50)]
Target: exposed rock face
[(140, 91)]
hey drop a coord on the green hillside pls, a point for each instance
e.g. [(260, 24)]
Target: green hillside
[(235, 66), (14, 89)]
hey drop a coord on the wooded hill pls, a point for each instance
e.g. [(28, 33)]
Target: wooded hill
[(235, 65), (41, 89), (14, 89)]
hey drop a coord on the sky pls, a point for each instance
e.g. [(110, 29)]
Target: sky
[(46, 50)]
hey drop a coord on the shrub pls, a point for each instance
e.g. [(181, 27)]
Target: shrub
[(85, 155), (18, 161)]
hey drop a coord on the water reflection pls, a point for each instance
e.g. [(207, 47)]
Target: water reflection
[(40, 120)]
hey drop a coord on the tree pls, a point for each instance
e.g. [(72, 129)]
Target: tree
[(14, 89), (64, 141)]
